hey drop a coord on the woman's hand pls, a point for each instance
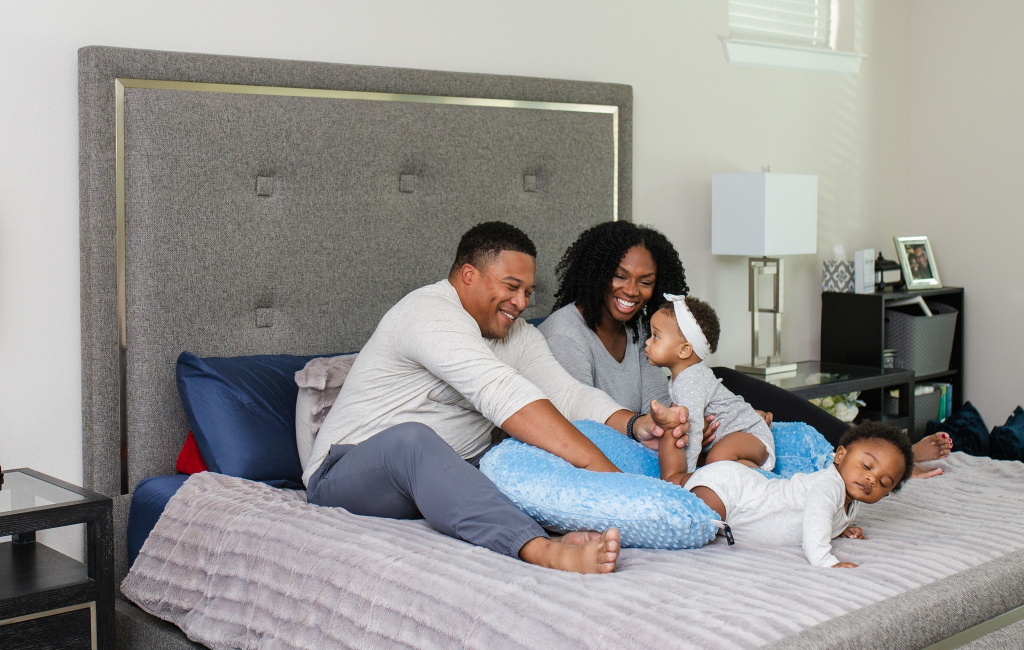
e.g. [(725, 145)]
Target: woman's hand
[(853, 532), (649, 428), (766, 416), (710, 426)]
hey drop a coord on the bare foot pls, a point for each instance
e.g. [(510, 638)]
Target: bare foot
[(577, 537), (844, 565), (596, 555), (934, 447)]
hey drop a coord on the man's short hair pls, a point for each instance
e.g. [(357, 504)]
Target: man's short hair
[(482, 244)]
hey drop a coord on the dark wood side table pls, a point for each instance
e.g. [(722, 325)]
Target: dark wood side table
[(814, 379), (47, 599)]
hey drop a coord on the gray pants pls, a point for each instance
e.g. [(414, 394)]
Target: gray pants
[(409, 472)]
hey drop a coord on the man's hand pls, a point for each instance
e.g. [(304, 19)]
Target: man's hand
[(766, 416), (853, 532), (844, 565)]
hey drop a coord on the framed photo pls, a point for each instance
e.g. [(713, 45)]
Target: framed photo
[(918, 263)]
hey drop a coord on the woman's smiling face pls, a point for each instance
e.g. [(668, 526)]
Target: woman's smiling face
[(632, 284)]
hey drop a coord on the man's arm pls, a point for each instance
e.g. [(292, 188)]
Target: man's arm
[(541, 425), (449, 345), (578, 401)]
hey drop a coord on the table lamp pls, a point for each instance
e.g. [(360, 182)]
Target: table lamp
[(764, 216)]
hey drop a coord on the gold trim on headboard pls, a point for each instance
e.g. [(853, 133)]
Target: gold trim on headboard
[(121, 84)]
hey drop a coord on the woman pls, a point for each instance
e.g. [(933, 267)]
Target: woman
[(597, 331), (608, 279)]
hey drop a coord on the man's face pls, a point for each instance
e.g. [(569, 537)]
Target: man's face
[(496, 295)]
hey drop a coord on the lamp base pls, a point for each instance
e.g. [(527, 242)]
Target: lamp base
[(767, 371)]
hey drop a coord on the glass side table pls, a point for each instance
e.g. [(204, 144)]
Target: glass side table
[(813, 379), (46, 598)]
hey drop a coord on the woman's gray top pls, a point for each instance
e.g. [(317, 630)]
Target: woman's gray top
[(632, 383)]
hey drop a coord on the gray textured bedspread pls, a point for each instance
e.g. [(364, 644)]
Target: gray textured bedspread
[(236, 564)]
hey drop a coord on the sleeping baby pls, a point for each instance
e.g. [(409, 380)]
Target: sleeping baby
[(684, 331), (872, 461)]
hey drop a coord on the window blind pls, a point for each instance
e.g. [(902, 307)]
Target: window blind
[(800, 22)]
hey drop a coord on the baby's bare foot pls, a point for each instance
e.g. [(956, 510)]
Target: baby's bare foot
[(665, 418), (933, 447), (596, 555)]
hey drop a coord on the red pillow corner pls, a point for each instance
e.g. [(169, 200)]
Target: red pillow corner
[(190, 461)]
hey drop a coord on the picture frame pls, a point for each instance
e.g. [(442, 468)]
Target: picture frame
[(918, 263)]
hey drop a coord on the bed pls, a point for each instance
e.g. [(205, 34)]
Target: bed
[(234, 206)]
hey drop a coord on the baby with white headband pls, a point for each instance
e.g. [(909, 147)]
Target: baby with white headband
[(684, 331)]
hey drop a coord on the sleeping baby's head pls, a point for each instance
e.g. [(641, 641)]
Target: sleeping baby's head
[(874, 460)]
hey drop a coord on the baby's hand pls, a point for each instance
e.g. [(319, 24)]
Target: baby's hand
[(853, 532), (665, 418), (844, 565)]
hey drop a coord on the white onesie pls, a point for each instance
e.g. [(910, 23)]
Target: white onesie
[(806, 509), (703, 394)]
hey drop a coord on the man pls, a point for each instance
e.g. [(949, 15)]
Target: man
[(445, 365)]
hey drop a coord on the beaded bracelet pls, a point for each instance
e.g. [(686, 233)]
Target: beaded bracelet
[(629, 427)]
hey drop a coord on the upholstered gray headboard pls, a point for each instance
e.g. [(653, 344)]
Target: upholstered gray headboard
[(282, 207)]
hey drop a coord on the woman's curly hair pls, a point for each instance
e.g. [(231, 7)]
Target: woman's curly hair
[(586, 269)]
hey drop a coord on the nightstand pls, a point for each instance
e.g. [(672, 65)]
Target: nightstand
[(47, 599), (814, 379)]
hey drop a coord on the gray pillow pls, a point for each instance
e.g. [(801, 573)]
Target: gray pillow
[(319, 383)]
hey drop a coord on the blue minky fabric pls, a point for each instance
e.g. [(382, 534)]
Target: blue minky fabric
[(649, 512), (799, 449)]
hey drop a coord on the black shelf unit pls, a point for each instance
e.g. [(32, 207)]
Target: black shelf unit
[(47, 599), (853, 332)]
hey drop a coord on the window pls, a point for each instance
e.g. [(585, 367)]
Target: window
[(798, 22), (810, 35)]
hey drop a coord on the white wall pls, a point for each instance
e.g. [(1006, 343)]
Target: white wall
[(967, 179), (694, 115)]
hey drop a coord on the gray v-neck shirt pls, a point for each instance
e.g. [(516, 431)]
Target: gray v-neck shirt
[(633, 383)]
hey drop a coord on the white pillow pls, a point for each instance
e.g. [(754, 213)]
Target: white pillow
[(305, 434), (319, 383)]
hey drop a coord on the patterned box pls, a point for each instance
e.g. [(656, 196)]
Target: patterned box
[(838, 277)]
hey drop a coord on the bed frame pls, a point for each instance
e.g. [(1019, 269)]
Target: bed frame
[(235, 206)]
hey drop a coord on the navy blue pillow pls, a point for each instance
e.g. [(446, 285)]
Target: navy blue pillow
[(966, 428), (1007, 441), (242, 412)]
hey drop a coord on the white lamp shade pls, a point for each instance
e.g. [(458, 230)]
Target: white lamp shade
[(765, 214)]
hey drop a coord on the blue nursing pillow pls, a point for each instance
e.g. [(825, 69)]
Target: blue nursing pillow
[(649, 512)]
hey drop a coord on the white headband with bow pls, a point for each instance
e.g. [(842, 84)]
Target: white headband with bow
[(689, 327)]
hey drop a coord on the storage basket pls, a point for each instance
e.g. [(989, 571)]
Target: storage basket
[(924, 344)]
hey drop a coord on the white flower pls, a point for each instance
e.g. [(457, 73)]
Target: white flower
[(827, 403)]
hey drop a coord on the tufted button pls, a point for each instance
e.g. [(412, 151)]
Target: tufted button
[(264, 186), (407, 183)]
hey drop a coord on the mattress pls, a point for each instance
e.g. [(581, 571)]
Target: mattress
[(238, 564)]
